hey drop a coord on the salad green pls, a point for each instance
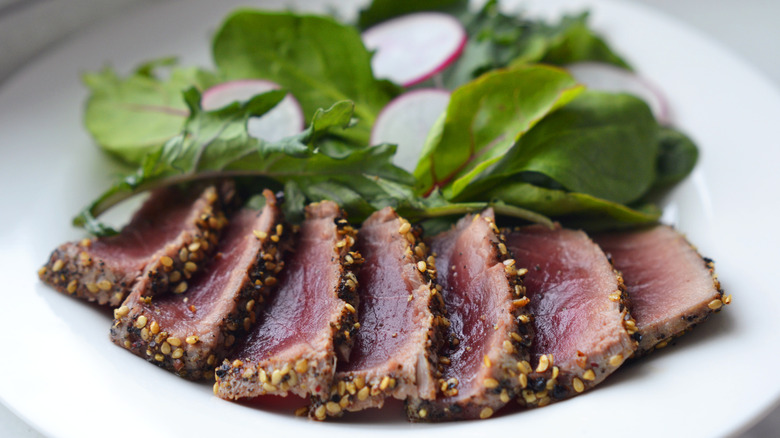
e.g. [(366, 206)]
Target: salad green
[(519, 134)]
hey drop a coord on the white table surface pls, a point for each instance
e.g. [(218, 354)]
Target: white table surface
[(747, 28)]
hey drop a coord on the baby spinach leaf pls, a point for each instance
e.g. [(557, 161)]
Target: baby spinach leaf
[(677, 156), (600, 144), (484, 119), (134, 115), (318, 59)]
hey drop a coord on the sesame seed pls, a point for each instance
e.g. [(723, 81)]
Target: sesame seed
[(121, 311), (405, 227), (662, 344), (72, 286), (422, 413), (715, 304), (270, 281), (174, 276), (490, 383), (192, 339), (421, 266), (165, 348), (140, 322), (555, 372), (614, 296), (194, 247), (616, 360), (300, 412), (508, 347), (522, 379), (384, 383), (524, 367), (320, 412), (350, 307), (58, 265), (176, 342), (159, 357), (727, 299), (504, 396), (578, 385), (333, 407), (275, 238), (155, 328), (190, 266), (267, 387), (544, 363), (487, 362), (166, 261), (105, 285), (589, 375), (92, 287), (363, 393), (486, 413), (529, 396), (86, 243)]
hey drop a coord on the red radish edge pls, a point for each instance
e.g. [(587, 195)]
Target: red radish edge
[(243, 89), (408, 147), (661, 107), (455, 26)]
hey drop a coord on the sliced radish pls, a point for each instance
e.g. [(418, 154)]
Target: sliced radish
[(284, 120), (406, 120), (606, 77), (414, 47)]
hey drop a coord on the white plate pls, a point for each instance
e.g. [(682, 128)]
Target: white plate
[(62, 375)]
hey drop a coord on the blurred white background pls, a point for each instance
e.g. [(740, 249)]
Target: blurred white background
[(747, 28)]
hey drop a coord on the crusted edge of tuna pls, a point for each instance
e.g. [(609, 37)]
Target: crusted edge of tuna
[(312, 372), (547, 383), (503, 383), (70, 269), (355, 391), (136, 329), (656, 340)]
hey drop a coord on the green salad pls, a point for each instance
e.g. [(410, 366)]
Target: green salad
[(519, 134)]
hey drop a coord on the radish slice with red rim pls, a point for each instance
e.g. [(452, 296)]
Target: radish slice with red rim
[(283, 120), (413, 48), (406, 121), (606, 77)]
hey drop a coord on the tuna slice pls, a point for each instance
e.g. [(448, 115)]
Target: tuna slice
[(582, 330), (489, 328), (188, 333), (308, 321), (170, 223), (394, 354), (672, 288)]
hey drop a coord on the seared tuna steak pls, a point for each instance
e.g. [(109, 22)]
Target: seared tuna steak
[(188, 333), (489, 326), (582, 330), (309, 319), (171, 229), (672, 288), (400, 319)]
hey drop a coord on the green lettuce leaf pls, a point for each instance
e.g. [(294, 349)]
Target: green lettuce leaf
[(484, 119), (135, 115)]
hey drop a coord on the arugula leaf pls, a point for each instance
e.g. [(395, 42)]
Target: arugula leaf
[(559, 203), (600, 144), (498, 40), (318, 59), (134, 115), (484, 119), (382, 10)]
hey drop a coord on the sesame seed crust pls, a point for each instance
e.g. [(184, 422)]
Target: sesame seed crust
[(412, 371), (75, 270), (194, 355), (301, 369), (497, 378), (657, 332), (547, 378)]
